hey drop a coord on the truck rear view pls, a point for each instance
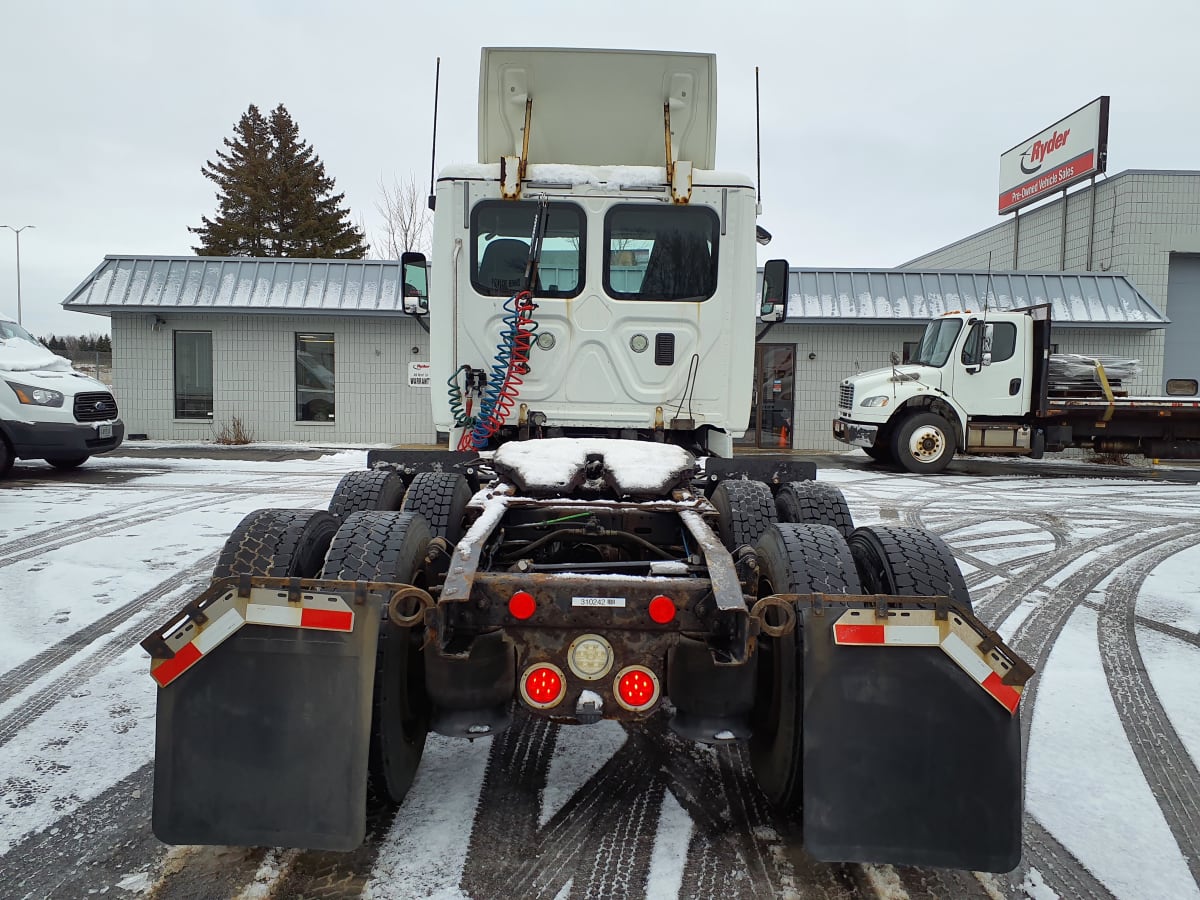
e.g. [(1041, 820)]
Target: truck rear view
[(572, 573)]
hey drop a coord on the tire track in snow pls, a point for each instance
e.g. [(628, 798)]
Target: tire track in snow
[(36, 545), (1166, 764), (52, 657), (192, 580)]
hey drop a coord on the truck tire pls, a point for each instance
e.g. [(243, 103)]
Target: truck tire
[(389, 546), (811, 501), (746, 509), (279, 543), (6, 456), (793, 559), (441, 497), (893, 559), (367, 490), (924, 443)]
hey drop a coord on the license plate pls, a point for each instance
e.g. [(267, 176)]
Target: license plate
[(104, 431)]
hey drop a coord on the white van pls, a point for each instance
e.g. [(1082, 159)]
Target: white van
[(47, 409)]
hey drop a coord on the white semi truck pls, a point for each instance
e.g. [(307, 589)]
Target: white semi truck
[(980, 382), (47, 409), (586, 548)]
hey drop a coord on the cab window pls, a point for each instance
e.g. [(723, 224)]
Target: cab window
[(660, 252), (500, 235), (999, 342)]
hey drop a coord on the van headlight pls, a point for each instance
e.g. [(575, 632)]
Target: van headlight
[(877, 400), (36, 396)]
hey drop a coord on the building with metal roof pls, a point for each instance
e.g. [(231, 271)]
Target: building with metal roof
[(306, 350), (321, 351), (883, 296)]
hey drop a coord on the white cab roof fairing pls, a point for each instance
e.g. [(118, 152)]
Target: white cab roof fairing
[(598, 107)]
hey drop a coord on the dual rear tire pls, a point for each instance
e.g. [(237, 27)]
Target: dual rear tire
[(367, 545), (812, 558)]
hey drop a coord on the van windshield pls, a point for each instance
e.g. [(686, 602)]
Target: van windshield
[(937, 342), (12, 331)]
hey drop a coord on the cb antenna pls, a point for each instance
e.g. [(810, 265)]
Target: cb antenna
[(437, 81), (757, 141)]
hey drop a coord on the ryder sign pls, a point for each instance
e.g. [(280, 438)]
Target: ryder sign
[(1071, 149)]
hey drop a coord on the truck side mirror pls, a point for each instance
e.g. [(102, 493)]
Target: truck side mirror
[(415, 280), (773, 306)]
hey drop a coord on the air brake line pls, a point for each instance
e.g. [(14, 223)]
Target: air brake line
[(511, 360)]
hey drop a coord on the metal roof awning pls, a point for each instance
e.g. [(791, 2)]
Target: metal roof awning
[(241, 284), (892, 296)]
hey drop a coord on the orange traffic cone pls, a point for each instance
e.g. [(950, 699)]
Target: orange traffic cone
[(783, 436)]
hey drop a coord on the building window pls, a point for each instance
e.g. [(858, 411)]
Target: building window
[(314, 378), (661, 252), (500, 234), (193, 375)]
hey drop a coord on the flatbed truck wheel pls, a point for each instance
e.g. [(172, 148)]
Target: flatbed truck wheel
[(893, 559), (924, 443), (814, 503), (279, 543), (793, 559), (367, 489), (441, 498), (746, 509), (389, 546)]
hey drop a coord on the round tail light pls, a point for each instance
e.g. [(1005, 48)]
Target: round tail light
[(662, 609), (543, 686), (521, 605), (636, 688)]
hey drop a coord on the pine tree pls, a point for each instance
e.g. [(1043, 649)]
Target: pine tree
[(310, 219), (274, 198), (243, 225)]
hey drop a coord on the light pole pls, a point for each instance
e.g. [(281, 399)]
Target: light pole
[(17, 232)]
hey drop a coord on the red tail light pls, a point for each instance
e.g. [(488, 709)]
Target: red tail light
[(542, 686), (522, 605), (662, 609), (637, 688)]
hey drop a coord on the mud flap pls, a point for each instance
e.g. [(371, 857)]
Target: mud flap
[(906, 759), (264, 741)]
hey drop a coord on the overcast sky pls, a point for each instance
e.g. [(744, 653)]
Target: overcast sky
[(883, 122)]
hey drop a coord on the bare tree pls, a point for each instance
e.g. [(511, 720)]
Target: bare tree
[(407, 224)]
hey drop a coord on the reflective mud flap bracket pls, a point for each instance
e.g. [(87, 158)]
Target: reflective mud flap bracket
[(911, 753), (264, 714)]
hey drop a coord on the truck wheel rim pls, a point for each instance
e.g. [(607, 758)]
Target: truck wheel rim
[(927, 443)]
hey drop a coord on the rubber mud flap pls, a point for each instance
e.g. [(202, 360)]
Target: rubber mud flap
[(907, 760), (264, 741)]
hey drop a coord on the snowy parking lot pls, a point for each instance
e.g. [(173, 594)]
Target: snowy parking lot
[(1093, 581)]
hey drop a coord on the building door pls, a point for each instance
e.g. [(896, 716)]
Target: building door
[(773, 401), (1180, 367)]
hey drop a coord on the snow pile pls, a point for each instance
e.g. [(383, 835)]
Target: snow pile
[(637, 466), (18, 355)]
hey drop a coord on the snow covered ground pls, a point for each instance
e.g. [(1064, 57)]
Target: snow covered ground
[(1093, 581)]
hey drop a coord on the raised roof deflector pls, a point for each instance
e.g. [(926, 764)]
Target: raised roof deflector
[(598, 107)]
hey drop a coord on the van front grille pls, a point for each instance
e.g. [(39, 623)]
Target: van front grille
[(95, 406)]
